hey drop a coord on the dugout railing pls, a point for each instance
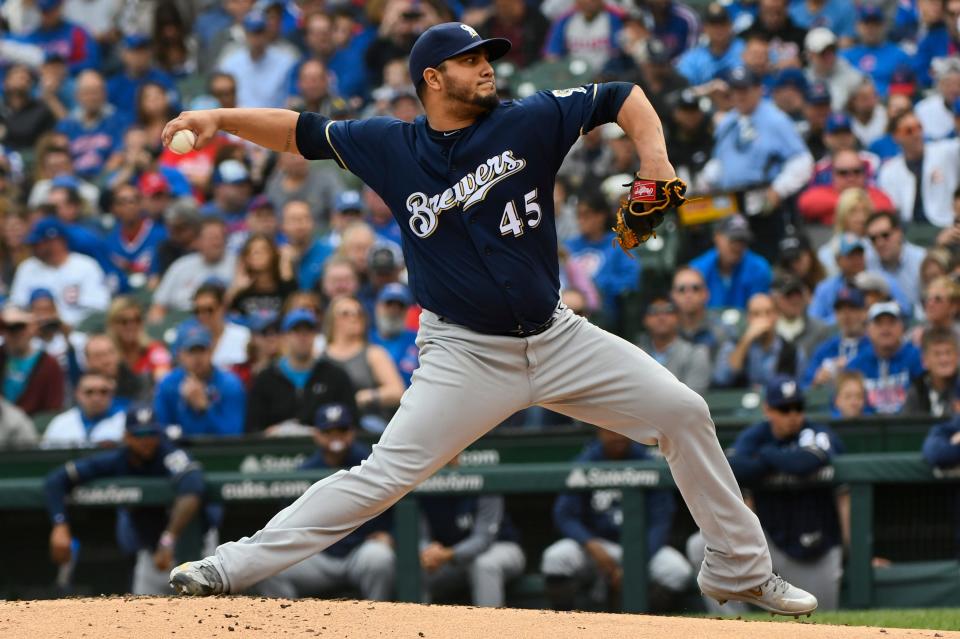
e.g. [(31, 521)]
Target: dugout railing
[(254, 455), (862, 473)]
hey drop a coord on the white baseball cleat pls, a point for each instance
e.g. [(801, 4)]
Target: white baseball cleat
[(776, 595), (197, 578)]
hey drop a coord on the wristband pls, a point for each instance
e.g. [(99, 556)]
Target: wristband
[(167, 540)]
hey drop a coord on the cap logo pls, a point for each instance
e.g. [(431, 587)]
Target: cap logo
[(788, 389), (333, 413), (644, 191), (144, 415), (473, 32)]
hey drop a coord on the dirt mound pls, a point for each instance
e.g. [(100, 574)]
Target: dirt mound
[(237, 617)]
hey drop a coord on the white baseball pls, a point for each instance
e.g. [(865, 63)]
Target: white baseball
[(183, 141)]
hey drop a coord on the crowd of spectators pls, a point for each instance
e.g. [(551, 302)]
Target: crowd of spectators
[(235, 291)]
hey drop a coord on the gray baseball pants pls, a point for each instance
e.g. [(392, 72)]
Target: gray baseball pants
[(370, 568), (820, 577), (466, 384), (567, 558), (487, 575), (147, 580)]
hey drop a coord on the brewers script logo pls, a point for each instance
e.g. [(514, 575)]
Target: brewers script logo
[(473, 32), (471, 189)]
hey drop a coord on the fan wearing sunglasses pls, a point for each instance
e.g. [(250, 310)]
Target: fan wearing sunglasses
[(96, 420), (808, 549), (819, 203), (690, 295), (899, 258)]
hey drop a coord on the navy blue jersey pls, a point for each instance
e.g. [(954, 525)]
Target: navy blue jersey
[(582, 516), (452, 518), (803, 522), (355, 454), (475, 206), (938, 449), (147, 522)]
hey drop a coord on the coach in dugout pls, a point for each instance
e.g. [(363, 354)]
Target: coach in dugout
[(150, 532), (802, 525)]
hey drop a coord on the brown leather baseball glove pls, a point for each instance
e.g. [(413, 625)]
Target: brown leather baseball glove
[(644, 207)]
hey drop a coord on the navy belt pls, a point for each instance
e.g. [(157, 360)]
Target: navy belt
[(517, 332)]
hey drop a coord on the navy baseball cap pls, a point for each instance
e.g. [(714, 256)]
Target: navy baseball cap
[(783, 391), (735, 227), (136, 41), (142, 422), (40, 294), (791, 78), (261, 202), (818, 93), (298, 317), (260, 323), (788, 283), (231, 172), (383, 260), (348, 201), (870, 13), (65, 181), (192, 335), (254, 21), (333, 416), (48, 5), (743, 78), (49, 228), (791, 247), (657, 51), (395, 292), (849, 296), (903, 81), (687, 100), (444, 41), (716, 13), (839, 122)]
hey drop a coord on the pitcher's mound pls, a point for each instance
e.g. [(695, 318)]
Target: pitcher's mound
[(236, 617)]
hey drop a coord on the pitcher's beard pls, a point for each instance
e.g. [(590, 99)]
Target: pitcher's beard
[(482, 103)]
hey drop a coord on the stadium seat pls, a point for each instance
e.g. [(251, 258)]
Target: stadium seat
[(923, 234), (527, 591), (819, 400), (549, 75), (94, 323), (42, 420), (917, 584), (735, 402), (171, 321)]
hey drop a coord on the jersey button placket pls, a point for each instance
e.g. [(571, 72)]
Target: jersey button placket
[(488, 251)]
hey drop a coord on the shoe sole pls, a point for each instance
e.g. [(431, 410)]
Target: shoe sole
[(722, 599), (183, 585)]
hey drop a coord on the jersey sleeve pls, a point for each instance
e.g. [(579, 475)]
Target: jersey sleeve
[(62, 480), (575, 112), (184, 472), (358, 146)]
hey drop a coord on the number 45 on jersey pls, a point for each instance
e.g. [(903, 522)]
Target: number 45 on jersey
[(512, 223)]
